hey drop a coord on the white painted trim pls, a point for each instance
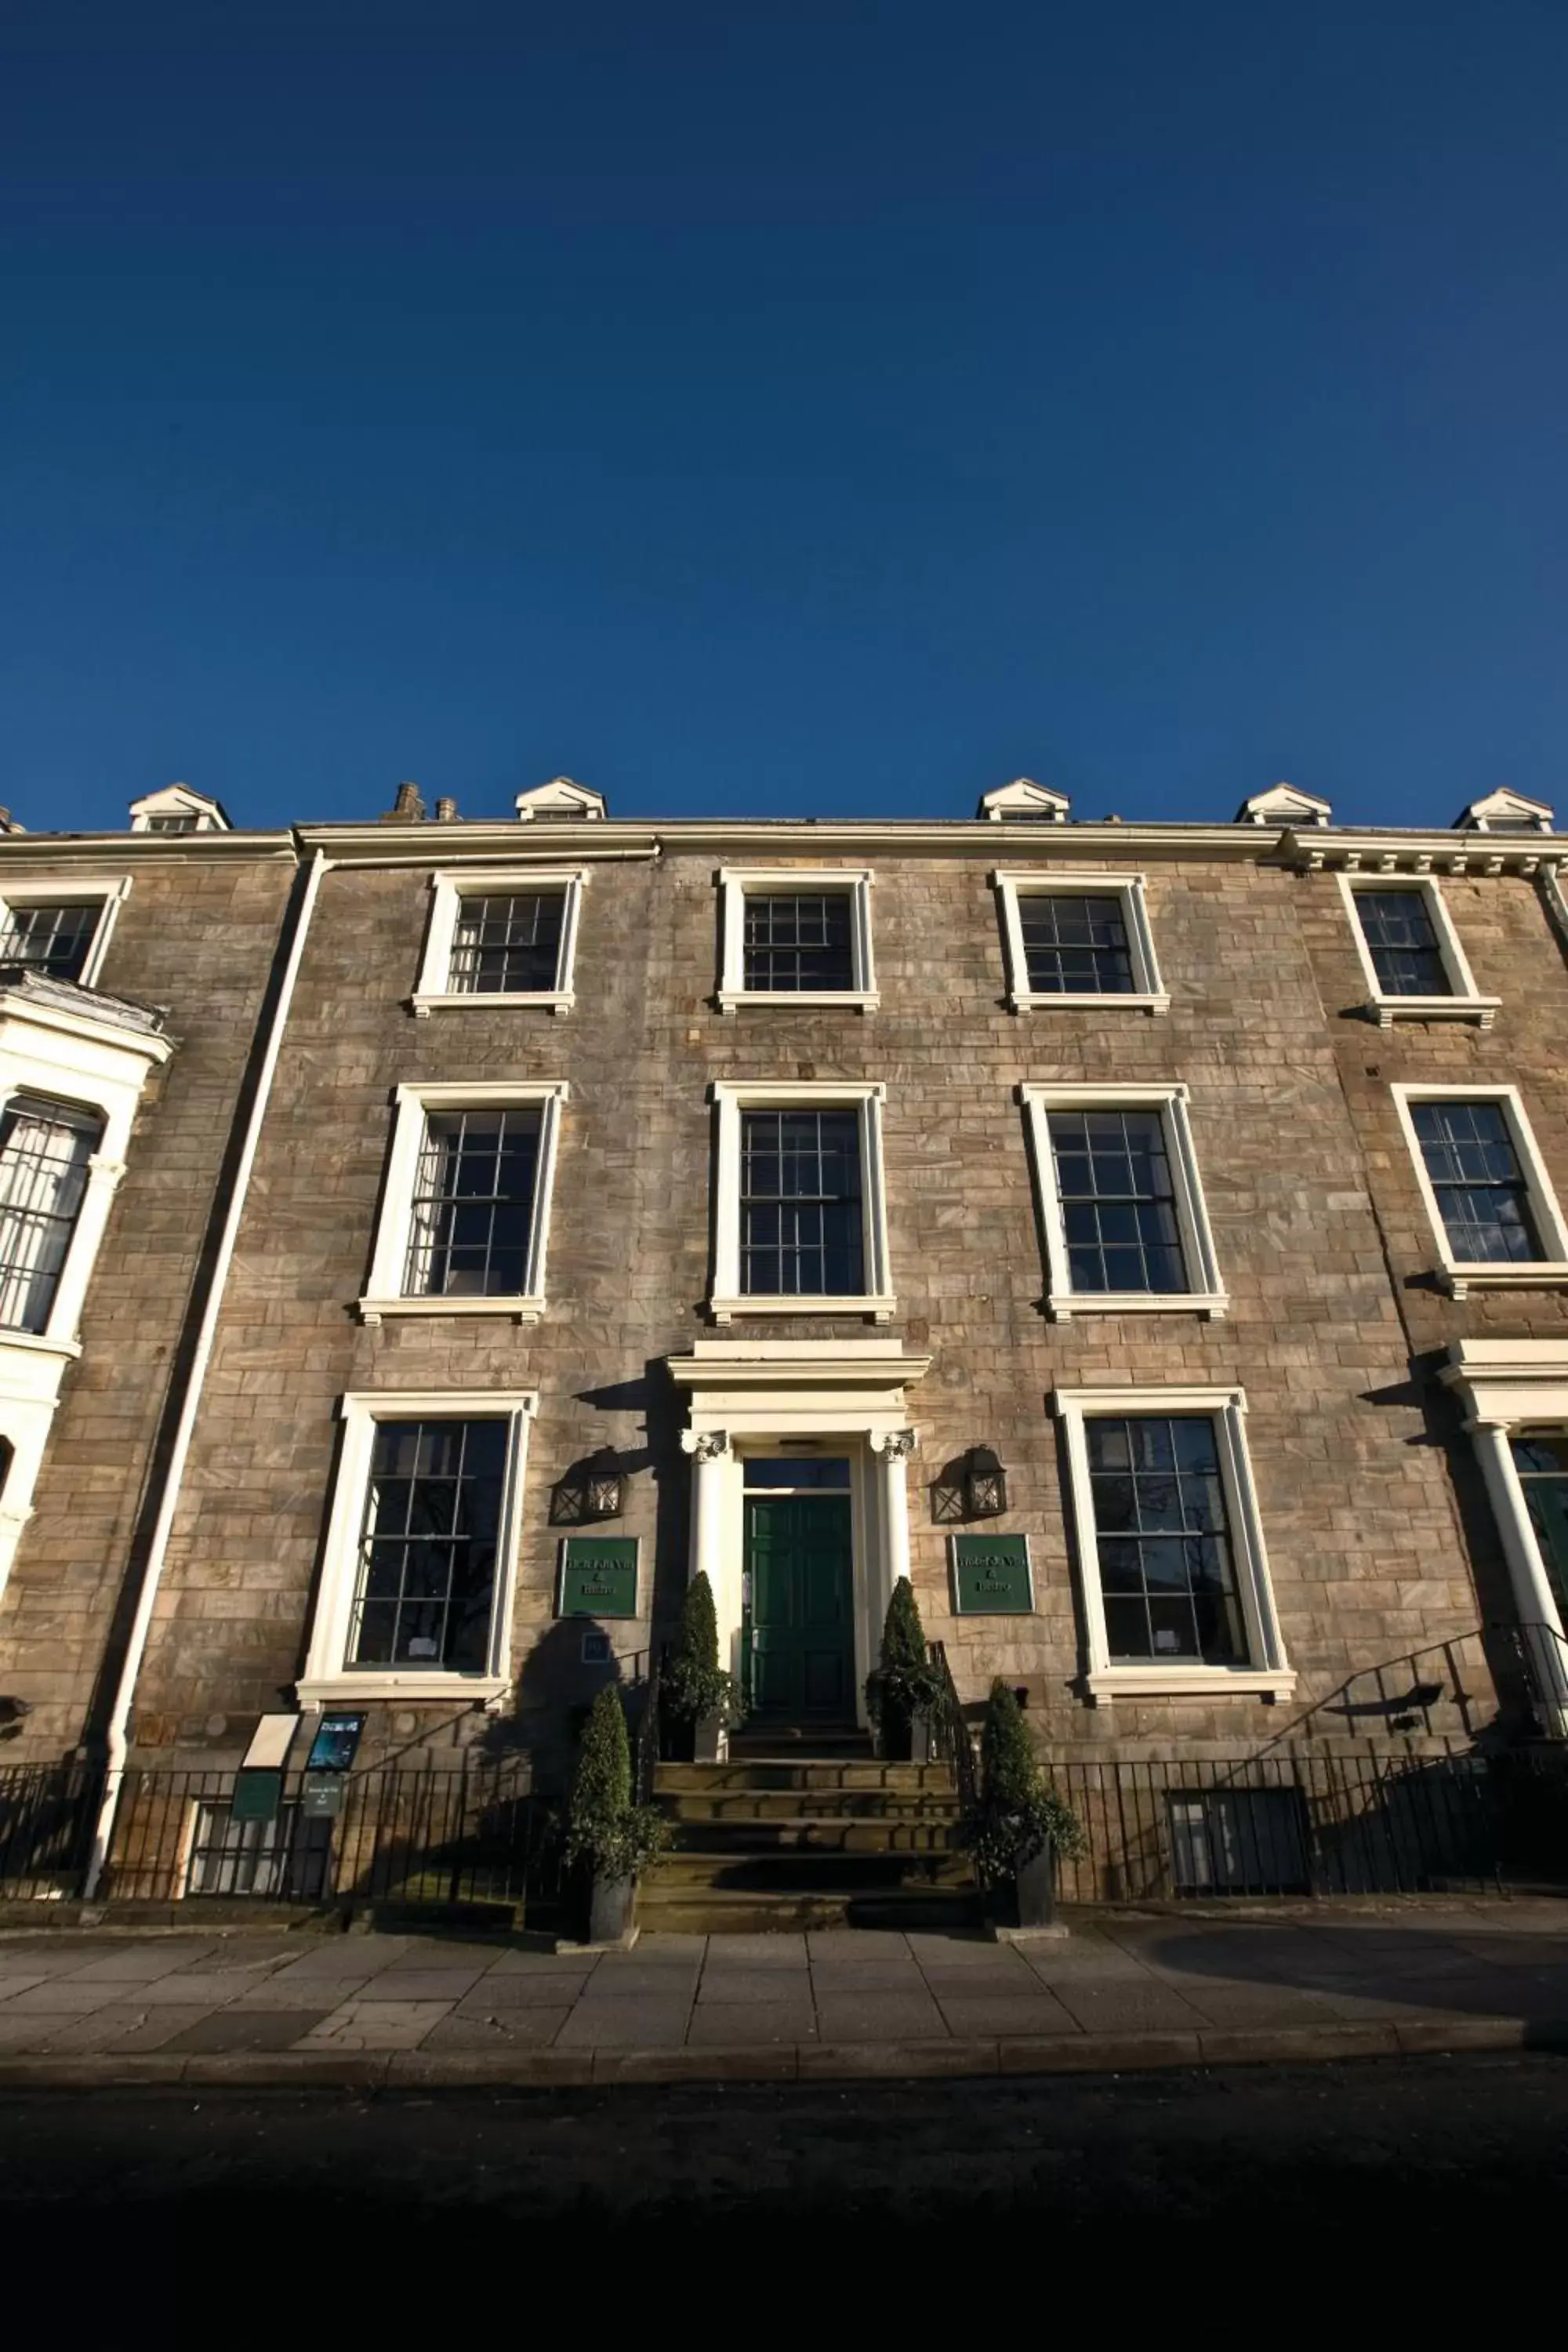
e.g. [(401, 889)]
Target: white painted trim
[(734, 882), (1266, 1672), (1207, 1295), (107, 892), (328, 1677), (1464, 1001), (448, 887), (385, 1294), (727, 1298), (1147, 993), (1461, 1277)]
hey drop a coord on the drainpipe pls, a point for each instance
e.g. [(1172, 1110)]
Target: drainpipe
[(157, 1552)]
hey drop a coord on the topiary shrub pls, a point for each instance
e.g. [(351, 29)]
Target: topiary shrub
[(905, 1680), (1017, 1809), (693, 1684), (606, 1832)]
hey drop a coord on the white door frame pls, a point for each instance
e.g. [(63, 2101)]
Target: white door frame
[(747, 1396)]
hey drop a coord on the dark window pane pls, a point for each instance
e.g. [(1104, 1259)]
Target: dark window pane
[(1074, 947), (472, 1212), (427, 1559), (45, 1148), (1482, 1196), (1403, 944), (798, 942), (800, 1223), (1113, 1180), (52, 939), (506, 945), (1162, 1540)]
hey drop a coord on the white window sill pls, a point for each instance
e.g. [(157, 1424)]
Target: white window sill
[(1548, 1274), (1155, 1681), (855, 999), (1065, 1306), (880, 1310), (376, 1682), (38, 1343), (519, 1309), (1386, 1010), (1110, 1000), (542, 1000)]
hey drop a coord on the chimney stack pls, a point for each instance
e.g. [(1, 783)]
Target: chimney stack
[(408, 808), (445, 812)]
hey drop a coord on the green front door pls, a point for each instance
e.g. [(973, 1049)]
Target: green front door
[(802, 1639)]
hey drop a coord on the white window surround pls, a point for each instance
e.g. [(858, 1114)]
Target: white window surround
[(1504, 1385), (854, 883), (727, 1298), (1146, 994), (447, 890), (385, 1294), (1267, 1675), (1207, 1293), (72, 890), (328, 1680), (66, 1056), (1458, 1276), (1464, 1002)]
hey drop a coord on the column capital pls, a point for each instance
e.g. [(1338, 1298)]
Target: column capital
[(706, 1444), (894, 1444)]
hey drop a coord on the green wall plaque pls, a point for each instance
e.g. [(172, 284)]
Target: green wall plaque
[(598, 1576), (991, 1576)]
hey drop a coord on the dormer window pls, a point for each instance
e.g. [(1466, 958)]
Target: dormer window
[(178, 809), (561, 800), (1504, 812)]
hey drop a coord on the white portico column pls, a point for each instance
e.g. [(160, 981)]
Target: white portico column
[(892, 1448), (711, 1464), (1537, 1603)]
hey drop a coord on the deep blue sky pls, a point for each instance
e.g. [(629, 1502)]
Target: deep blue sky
[(778, 407)]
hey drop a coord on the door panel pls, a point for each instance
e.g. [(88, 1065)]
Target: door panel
[(801, 1632)]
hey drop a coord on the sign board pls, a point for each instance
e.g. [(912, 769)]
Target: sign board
[(257, 1795), (337, 1739), (598, 1576), (323, 1793), (991, 1576)]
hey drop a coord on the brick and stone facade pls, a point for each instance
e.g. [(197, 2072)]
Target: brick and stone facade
[(1384, 1558)]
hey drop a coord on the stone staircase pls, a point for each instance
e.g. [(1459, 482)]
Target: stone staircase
[(792, 1842)]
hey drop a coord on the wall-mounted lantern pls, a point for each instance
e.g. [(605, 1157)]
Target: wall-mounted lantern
[(985, 1485), (591, 1490)]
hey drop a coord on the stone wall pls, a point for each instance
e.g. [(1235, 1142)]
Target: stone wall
[(1358, 1503)]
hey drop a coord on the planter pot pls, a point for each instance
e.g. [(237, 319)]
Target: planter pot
[(710, 1739), (1035, 1884), (611, 1903)]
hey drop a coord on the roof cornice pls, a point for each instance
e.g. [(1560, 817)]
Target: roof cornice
[(116, 852), (1313, 850), (450, 844)]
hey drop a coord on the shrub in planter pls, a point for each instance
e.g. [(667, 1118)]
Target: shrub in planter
[(610, 1839), (904, 1691), (1020, 1824), (700, 1699)]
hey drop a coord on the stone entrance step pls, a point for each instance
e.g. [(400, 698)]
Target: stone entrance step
[(740, 1911)]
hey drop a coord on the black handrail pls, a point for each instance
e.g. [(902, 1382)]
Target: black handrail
[(648, 1734), (953, 1743)]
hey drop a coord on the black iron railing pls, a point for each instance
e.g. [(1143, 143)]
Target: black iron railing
[(46, 1817), (955, 1744), (474, 1834), (1539, 1656), (1299, 1825)]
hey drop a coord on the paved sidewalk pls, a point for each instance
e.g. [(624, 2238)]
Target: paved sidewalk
[(1125, 1990)]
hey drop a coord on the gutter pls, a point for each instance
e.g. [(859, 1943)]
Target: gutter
[(118, 1733)]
